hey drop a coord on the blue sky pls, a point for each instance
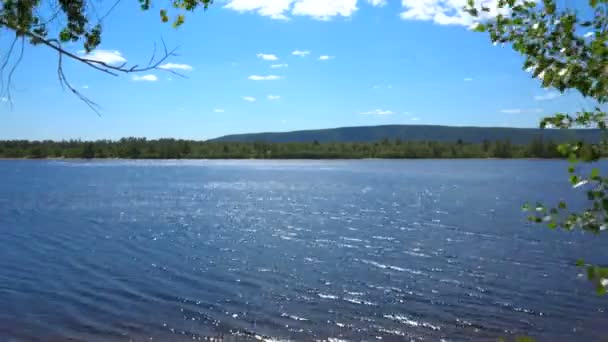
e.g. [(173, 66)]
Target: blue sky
[(279, 65)]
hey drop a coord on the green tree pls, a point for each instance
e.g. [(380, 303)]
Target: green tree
[(566, 49), (88, 151)]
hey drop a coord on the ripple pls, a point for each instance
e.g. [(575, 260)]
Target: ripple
[(407, 321)]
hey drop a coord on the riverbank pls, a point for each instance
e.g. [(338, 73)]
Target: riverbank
[(140, 148)]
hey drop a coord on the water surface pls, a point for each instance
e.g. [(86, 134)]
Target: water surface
[(302, 250)]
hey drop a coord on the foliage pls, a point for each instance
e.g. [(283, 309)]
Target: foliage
[(567, 50), (135, 148)]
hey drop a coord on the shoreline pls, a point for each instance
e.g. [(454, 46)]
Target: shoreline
[(266, 159)]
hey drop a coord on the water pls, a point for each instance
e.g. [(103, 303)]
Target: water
[(349, 250)]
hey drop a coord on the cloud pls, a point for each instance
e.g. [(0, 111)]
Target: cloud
[(280, 9), (148, 78), (301, 53), (264, 78), (278, 66), (273, 97), (468, 79), (110, 57), (377, 3), (85, 87), (324, 9), (378, 112), (415, 119), (274, 9), (326, 58), (267, 57), (521, 110), (447, 12), (218, 110), (249, 98), (174, 66), (547, 96), (3, 99), (382, 86)]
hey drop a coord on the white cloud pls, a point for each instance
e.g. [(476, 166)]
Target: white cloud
[(278, 66), (264, 78), (218, 110), (4, 99), (273, 97), (267, 57), (269, 8), (301, 53), (547, 96), (280, 9), (468, 79), (382, 86), (249, 98), (326, 58), (148, 78), (110, 57), (521, 110), (174, 66), (378, 112), (589, 34), (415, 119), (447, 12), (85, 87), (324, 9), (377, 3)]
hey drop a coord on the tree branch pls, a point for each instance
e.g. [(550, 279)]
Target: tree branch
[(104, 67)]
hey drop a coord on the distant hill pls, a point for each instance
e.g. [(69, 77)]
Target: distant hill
[(416, 133)]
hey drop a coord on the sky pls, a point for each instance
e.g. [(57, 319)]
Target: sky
[(281, 65)]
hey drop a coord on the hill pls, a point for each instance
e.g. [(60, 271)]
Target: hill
[(416, 133)]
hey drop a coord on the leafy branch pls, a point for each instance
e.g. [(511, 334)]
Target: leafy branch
[(565, 51), (22, 18)]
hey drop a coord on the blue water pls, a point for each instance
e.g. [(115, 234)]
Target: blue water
[(301, 250)]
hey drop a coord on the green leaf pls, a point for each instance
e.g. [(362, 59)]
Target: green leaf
[(580, 263), (163, 16), (479, 28)]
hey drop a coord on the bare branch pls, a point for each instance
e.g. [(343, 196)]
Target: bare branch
[(5, 63), (99, 65), (110, 10), (153, 64), (65, 83), (10, 74), (153, 55)]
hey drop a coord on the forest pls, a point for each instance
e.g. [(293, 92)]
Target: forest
[(142, 148)]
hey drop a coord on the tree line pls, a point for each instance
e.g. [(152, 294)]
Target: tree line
[(142, 148)]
